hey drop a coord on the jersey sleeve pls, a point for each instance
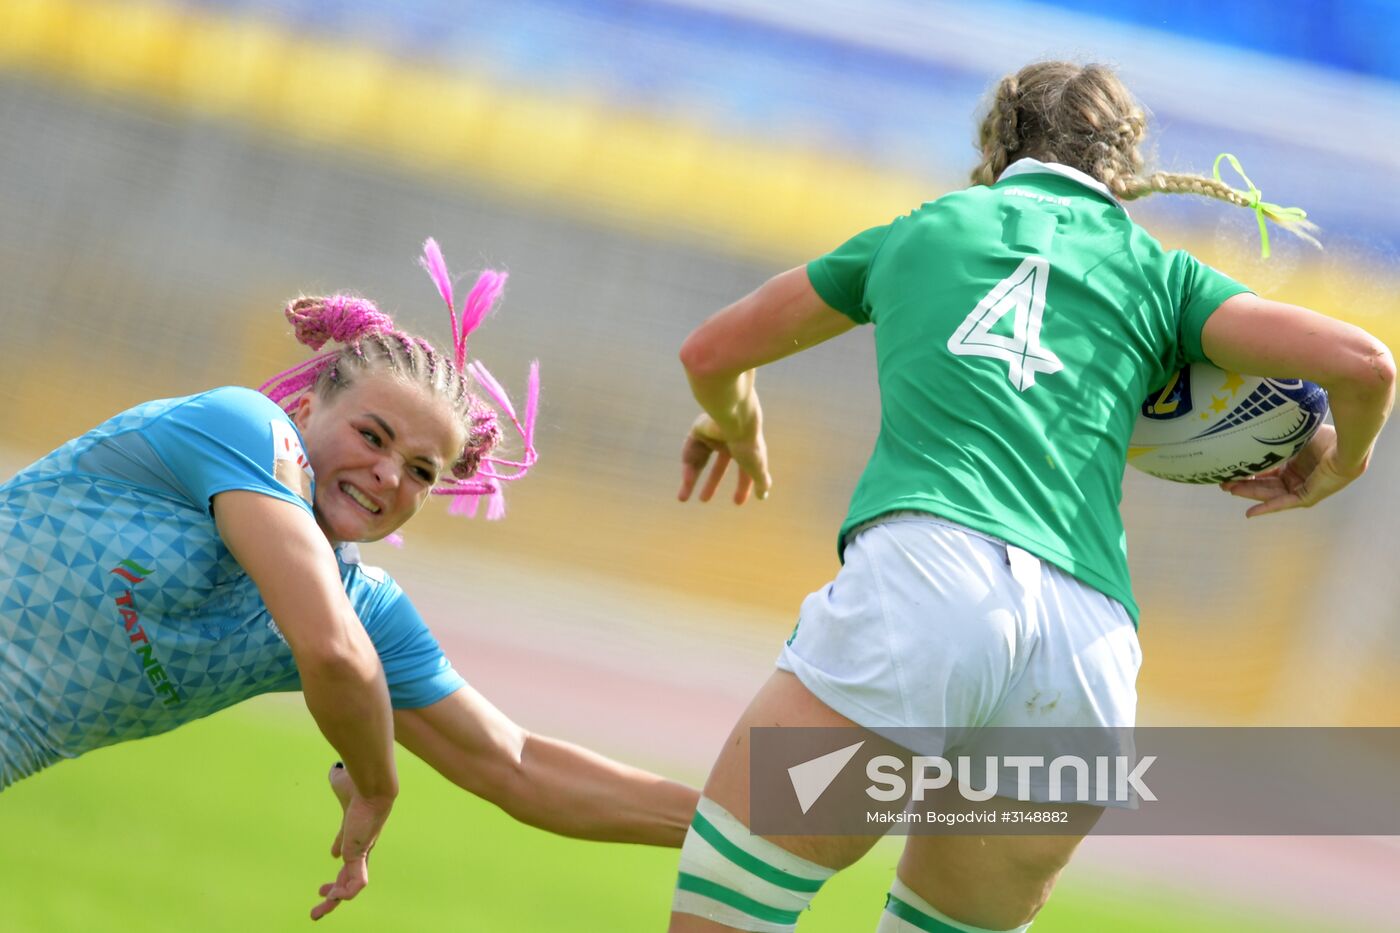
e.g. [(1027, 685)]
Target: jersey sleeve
[(839, 277), (1202, 290), (418, 672), (232, 438)]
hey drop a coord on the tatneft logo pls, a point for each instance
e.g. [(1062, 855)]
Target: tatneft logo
[(1116, 778), (141, 645)]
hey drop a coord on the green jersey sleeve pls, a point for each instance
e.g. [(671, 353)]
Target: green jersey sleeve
[(1202, 289), (839, 277)]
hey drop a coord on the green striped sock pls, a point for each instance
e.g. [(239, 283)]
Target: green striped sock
[(906, 912)]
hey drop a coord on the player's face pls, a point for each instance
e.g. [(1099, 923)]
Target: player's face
[(377, 447)]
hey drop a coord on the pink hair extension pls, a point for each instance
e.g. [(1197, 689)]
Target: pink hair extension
[(342, 318), (480, 300), (492, 471), (436, 268), (285, 387)]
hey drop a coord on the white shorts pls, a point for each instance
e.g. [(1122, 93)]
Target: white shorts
[(932, 625)]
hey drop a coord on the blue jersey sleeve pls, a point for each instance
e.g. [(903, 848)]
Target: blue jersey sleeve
[(232, 438), (415, 666)]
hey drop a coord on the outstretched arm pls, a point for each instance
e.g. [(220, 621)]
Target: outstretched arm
[(783, 316), (542, 781), (286, 555), (1254, 335)]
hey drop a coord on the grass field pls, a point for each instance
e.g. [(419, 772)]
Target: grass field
[(225, 825)]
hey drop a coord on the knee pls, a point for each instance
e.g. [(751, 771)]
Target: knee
[(1032, 869), (989, 882)]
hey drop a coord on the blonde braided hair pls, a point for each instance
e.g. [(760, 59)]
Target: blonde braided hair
[(1084, 116)]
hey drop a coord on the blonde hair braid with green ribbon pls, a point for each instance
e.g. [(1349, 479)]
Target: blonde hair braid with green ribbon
[(1085, 117), (1293, 219)]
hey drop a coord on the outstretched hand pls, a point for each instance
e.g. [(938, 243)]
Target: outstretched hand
[(361, 821), (1310, 476), (749, 452)]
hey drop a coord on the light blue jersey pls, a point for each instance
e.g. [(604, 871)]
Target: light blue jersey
[(123, 615)]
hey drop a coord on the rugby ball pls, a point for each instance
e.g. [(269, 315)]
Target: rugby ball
[(1207, 425)]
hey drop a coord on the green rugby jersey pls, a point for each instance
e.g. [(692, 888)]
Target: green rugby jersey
[(1018, 327)]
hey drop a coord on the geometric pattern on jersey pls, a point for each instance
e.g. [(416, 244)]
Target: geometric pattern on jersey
[(122, 613)]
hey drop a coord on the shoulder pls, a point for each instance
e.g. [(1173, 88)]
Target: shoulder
[(962, 197), (231, 418), (232, 402), (975, 199), (955, 214)]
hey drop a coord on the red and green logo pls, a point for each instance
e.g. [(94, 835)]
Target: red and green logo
[(141, 644), (132, 571)]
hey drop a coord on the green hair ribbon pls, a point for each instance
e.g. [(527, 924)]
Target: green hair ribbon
[(1262, 209)]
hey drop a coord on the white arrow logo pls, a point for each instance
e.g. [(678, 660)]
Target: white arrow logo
[(811, 778)]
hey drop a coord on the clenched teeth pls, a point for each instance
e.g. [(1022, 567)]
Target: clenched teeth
[(359, 497)]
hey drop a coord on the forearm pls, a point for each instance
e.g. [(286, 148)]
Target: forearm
[(284, 552), (782, 317), (350, 703), (575, 792), (1249, 334)]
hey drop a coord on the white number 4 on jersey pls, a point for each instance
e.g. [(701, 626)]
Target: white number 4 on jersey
[(1022, 293)]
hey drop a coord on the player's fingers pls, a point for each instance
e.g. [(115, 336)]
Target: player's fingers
[(345, 889), (742, 488), (1291, 500), (325, 907), (716, 474), (689, 474), (763, 483), (762, 479), (694, 455), (339, 841), (1260, 488), (1275, 474), (753, 462)]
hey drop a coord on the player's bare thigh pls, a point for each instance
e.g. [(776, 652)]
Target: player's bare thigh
[(782, 701)]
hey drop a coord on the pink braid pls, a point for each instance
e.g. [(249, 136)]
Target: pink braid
[(475, 474), (342, 318)]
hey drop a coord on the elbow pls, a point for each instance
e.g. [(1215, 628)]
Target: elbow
[(338, 662), (1361, 368), (496, 771), (1372, 371), (506, 782), (1383, 368), (697, 357)]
